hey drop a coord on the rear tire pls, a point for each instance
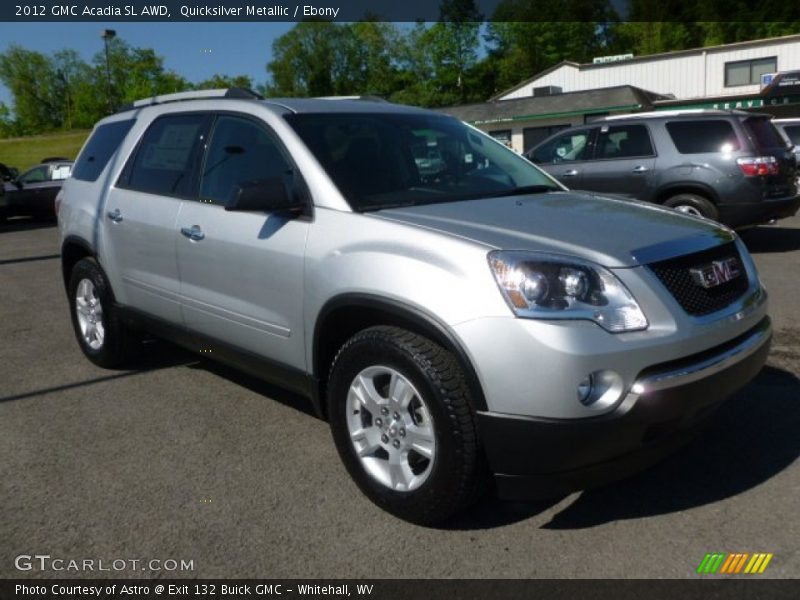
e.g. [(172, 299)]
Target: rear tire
[(400, 414), (693, 204), (101, 333)]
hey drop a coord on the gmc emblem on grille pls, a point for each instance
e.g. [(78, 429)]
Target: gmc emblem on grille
[(716, 273)]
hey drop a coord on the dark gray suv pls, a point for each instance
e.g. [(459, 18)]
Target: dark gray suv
[(730, 166)]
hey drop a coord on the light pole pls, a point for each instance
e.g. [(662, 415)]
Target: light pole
[(108, 34)]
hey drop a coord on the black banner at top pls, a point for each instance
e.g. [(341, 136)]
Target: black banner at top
[(392, 10)]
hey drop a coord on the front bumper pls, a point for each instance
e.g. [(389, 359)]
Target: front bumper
[(535, 457), (755, 213)]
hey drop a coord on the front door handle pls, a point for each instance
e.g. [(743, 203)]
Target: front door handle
[(640, 169), (570, 173), (115, 215), (193, 233)]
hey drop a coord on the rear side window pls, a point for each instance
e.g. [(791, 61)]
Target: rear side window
[(764, 133), (793, 133), (98, 151), (569, 147), (698, 137), (166, 157), (625, 141)]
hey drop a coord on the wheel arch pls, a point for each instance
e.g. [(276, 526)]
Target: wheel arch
[(345, 315), (73, 249), (694, 187)]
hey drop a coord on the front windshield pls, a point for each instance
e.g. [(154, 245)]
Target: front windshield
[(388, 160)]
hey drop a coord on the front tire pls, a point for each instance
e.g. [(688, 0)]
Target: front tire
[(101, 333), (401, 418)]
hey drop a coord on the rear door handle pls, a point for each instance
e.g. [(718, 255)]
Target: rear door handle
[(193, 233), (640, 169), (570, 173), (115, 215)]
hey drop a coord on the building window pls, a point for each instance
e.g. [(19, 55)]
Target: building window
[(748, 72)]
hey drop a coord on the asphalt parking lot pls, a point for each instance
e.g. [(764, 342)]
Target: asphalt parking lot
[(185, 460)]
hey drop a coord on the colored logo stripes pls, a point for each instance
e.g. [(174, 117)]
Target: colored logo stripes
[(731, 564)]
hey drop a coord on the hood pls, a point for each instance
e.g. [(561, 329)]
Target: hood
[(608, 231)]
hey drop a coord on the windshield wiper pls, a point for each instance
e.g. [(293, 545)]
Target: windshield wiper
[(525, 189)]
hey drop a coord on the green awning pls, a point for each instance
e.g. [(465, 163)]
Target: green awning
[(555, 115)]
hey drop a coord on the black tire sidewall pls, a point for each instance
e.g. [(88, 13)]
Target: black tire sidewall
[(706, 207), (422, 504)]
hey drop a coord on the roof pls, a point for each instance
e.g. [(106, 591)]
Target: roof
[(601, 100), (327, 104), (647, 57), (342, 105)]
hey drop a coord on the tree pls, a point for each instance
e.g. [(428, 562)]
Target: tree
[(368, 59), (8, 128), (304, 61), (135, 73), (320, 58), (216, 82), (525, 39), (454, 42), (32, 80)]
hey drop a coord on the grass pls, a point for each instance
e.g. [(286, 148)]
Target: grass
[(26, 152)]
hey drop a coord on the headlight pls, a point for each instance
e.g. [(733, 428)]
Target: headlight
[(542, 286)]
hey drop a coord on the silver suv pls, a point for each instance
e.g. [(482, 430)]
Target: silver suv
[(471, 326)]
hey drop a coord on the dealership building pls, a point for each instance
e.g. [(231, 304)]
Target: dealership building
[(759, 75)]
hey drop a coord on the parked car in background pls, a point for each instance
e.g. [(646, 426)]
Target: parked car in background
[(449, 329), (729, 166), (791, 129), (7, 173), (33, 193)]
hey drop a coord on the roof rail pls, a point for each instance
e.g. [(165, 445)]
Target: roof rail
[(238, 93), (366, 98), (672, 113)]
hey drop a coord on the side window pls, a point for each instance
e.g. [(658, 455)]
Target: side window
[(166, 156), (793, 133), (565, 148), (698, 137), (35, 175), (240, 151), (100, 148), (624, 141)]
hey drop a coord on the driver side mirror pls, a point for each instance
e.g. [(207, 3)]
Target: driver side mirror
[(272, 194)]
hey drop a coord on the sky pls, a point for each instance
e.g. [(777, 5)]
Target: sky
[(194, 50)]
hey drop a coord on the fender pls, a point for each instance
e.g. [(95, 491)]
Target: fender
[(401, 314), (688, 187), (73, 248)]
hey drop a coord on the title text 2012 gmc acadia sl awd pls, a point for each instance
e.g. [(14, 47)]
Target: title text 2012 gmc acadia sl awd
[(454, 324)]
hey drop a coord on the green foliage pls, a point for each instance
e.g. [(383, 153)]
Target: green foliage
[(135, 73), (225, 81), (7, 124), (320, 58), (62, 91), (32, 78)]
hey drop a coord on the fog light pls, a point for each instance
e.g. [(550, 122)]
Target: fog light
[(585, 390), (601, 389)]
